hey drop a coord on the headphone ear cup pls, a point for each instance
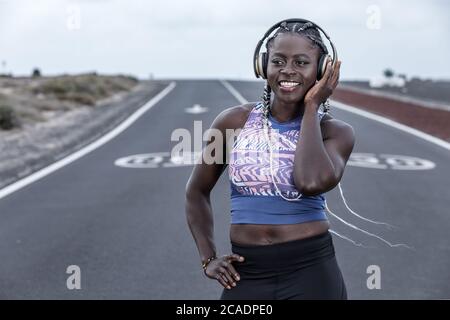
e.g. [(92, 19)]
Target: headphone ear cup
[(264, 58), (321, 66), (261, 65)]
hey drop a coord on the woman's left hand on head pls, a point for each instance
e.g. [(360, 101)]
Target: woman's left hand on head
[(323, 88)]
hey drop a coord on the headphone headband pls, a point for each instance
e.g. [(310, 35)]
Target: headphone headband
[(277, 25)]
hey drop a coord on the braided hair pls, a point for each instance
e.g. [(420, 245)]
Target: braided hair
[(306, 29)]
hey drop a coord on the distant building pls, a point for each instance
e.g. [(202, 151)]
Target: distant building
[(382, 81)]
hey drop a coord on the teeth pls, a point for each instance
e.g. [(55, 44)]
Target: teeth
[(289, 83)]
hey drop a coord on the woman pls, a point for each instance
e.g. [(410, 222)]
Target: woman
[(281, 246)]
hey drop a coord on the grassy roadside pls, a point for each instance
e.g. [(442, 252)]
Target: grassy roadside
[(29, 100)]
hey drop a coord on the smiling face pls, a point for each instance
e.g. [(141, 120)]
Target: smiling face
[(292, 67)]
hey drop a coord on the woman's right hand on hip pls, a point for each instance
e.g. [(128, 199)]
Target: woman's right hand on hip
[(222, 270)]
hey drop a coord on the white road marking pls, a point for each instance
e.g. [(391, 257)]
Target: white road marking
[(234, 92), (147, 160), (92, 146), (394, 162), (365, 160), (158, 159), (346, 107), (196, 109), (425, 136)]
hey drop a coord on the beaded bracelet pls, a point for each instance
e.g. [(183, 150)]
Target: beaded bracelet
[(205, 264)]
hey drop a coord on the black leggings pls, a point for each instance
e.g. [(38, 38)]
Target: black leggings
[(299, 269)]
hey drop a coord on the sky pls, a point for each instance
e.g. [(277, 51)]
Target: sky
[(216, 38)]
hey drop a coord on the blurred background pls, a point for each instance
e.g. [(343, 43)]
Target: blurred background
[(216, 39)]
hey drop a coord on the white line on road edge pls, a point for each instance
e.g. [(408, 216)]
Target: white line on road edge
[(346, 107), (234, 92), (389, 122), (92, 146)]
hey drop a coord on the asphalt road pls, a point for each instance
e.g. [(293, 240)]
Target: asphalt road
[(125, 226)]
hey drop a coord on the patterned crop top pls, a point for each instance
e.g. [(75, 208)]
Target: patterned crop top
[(254, 198)]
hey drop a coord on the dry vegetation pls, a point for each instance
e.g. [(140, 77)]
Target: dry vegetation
[(28, 100)]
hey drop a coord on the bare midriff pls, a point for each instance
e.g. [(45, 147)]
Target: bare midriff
[(264, 234)]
